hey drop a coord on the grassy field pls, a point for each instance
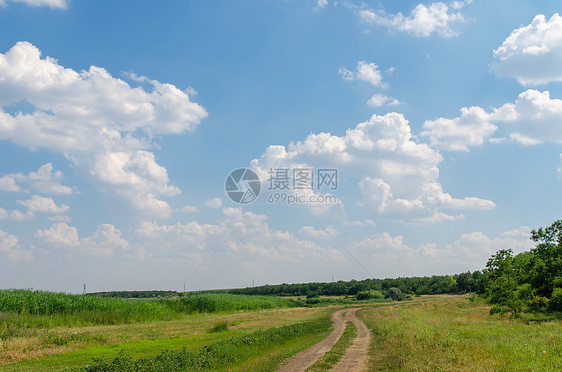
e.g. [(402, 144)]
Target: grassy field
[(213, 331), (193, 332), (449, 333), (261, 351), (35, 324)]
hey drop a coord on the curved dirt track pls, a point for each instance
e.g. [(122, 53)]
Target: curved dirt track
[(356, 356)]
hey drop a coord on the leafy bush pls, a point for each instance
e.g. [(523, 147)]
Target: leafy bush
[(555, 303), (395, 294), (367, 295)]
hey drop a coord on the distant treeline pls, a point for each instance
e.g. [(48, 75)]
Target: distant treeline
[(134, 294), (437, 284)]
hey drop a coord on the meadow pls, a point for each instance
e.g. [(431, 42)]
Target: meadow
[(220, 331), (451, 333), (67, 330)]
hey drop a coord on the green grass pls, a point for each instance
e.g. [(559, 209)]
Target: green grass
[(332, 357), (449, 333), (217, 302), (244, 352), (26, 313)]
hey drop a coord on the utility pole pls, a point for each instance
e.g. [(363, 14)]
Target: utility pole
[(332, 278), (184, 287), (253, 283), (84, 292)]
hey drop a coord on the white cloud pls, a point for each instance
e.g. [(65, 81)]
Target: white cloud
[(7, 183), (311, 232), (470, 129), (360, 223), (189, 209), (478, 244), (53, 4), (470, 251), (213, 203), (100, 123), (254, 239), (43, 205), (533, 119), (8, 246), (424, 20), (531, 53), (44, 180), (385, 245), (104, 242), (370, 73), (379, 100), (16, 215), (321, 3), (59, 235), (397, 176)]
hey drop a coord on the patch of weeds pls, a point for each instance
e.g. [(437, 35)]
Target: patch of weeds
[(219, 327)]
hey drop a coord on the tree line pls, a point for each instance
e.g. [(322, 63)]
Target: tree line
[(528, 281), (437, 284)]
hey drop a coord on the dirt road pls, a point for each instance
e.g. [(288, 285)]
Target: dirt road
[(356, 356)]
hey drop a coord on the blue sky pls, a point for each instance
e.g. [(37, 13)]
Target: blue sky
[(119, 123)]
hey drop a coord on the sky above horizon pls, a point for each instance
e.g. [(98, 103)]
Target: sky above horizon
[(121, 121)]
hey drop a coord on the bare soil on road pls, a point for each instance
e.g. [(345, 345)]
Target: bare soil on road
[(356, 357)]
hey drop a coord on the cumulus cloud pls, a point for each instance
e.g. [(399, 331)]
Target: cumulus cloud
[(9, 247), (470, 251), (423, 21), (471, 128), (45, 180), (43, 205), (100, 123), (398, 178), (368, 72), (384, 244), (16, 215), (531, 53), (104, 242), (59, 234), (533, 119), (254, 239), (311, 232), (9, 184)]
